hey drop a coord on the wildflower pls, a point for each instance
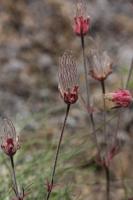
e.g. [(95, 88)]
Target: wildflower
[(121, 97), (9, 139), (81, 21), (100, 65), (68, 78)]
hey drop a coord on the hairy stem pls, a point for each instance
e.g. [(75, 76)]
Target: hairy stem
[(15, 186), (57, 152)]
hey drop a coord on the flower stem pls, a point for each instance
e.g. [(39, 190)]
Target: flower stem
[(85, 71), (57, 152), (87, 92), (107, 174), (104, 108), (14, 177)]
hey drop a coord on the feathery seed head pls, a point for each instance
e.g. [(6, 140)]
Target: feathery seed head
[(68, 78), (100, 65), (9, 138)]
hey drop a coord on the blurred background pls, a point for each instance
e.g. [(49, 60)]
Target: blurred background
[(33, 34)]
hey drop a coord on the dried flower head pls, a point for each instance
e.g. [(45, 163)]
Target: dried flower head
[(81, 20), (9, 138), (100, 65), (121, 97), (68, 78)]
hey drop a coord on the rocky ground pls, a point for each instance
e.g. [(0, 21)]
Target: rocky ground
[(33, 34)]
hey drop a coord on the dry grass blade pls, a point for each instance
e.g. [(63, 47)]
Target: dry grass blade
[(129, 74)]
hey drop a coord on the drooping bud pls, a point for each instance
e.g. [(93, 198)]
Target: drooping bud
[(81, 20), (121, 97), (9, 138), (68, 78), (100, 65)]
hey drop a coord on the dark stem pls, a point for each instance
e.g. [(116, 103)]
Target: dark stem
[(103, 86), (14, 177), (104, 107), (107, 174), (85, 70), (57, 152)]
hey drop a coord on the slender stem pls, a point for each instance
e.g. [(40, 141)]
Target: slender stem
[(103, 86), (57, 152), (87, 93), (104, 107), (85, 71), (14, 177), (107, 174)]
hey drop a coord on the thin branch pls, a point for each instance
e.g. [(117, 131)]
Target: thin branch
[(104, 108), (14, 177), (57, 153)]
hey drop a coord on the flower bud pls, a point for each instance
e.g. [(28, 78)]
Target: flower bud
[(81, 20), (121, 97), (81, 25)]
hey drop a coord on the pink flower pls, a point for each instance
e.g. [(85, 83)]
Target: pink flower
[(68, 78), (81, 21), (121, 97), (9, 139)]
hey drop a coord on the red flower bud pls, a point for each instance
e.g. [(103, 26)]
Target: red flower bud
[(81, 20), (81, 25), (121, 97)]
